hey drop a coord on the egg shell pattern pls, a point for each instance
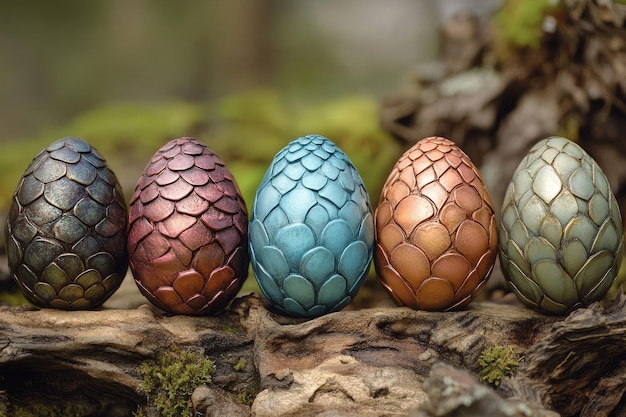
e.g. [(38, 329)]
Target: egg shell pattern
[(66, 228), (436, 238), (312, 231), (188, 229), (561, 237)]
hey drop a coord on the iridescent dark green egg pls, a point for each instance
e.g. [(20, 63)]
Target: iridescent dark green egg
[(66, 229)]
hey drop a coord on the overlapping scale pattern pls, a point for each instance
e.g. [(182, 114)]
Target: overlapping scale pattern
[(435, 228), (561, 237), (311, 233), (188, 230), (66, 229)]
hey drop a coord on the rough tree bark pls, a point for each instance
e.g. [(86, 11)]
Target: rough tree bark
[(496, 95), (373, 362)]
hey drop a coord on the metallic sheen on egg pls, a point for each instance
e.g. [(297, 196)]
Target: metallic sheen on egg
[(188, 230), (436, 238), (561, 240), (311, 232), (66, 229)]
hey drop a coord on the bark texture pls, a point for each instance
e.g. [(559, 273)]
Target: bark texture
[(505, 83), (374, 362)]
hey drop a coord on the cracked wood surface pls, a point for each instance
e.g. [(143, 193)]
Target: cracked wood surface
[(364, 362)]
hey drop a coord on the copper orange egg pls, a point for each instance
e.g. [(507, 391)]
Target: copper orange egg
[(436, 238)]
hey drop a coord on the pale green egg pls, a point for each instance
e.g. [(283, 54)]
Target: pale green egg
[(561, 238)]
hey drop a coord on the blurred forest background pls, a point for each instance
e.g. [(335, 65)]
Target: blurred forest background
[(244, 77)]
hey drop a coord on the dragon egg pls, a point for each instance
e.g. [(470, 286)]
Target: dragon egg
[(188, 230), (311, 231), (561, 240), (66, 228), (436, 238)]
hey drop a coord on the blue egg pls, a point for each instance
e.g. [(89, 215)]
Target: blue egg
[(312, 230)]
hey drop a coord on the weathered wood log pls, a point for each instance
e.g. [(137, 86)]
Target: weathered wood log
[(93, 356), (377, 358), (368, 362), (579, 367)]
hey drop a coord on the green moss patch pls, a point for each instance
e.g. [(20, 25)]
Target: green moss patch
[(170, 379), (495, 363)]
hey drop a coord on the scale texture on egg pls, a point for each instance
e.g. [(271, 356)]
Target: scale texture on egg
[(561, 237), (66, 229), (188, 230), (311, 232), (435, 228)]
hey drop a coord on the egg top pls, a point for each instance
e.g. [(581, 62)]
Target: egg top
[(188, 230), (66, 229), (435, 228), (561, 238), (311, 232)]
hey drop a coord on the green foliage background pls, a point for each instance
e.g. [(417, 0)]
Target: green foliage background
[(246, 130)]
